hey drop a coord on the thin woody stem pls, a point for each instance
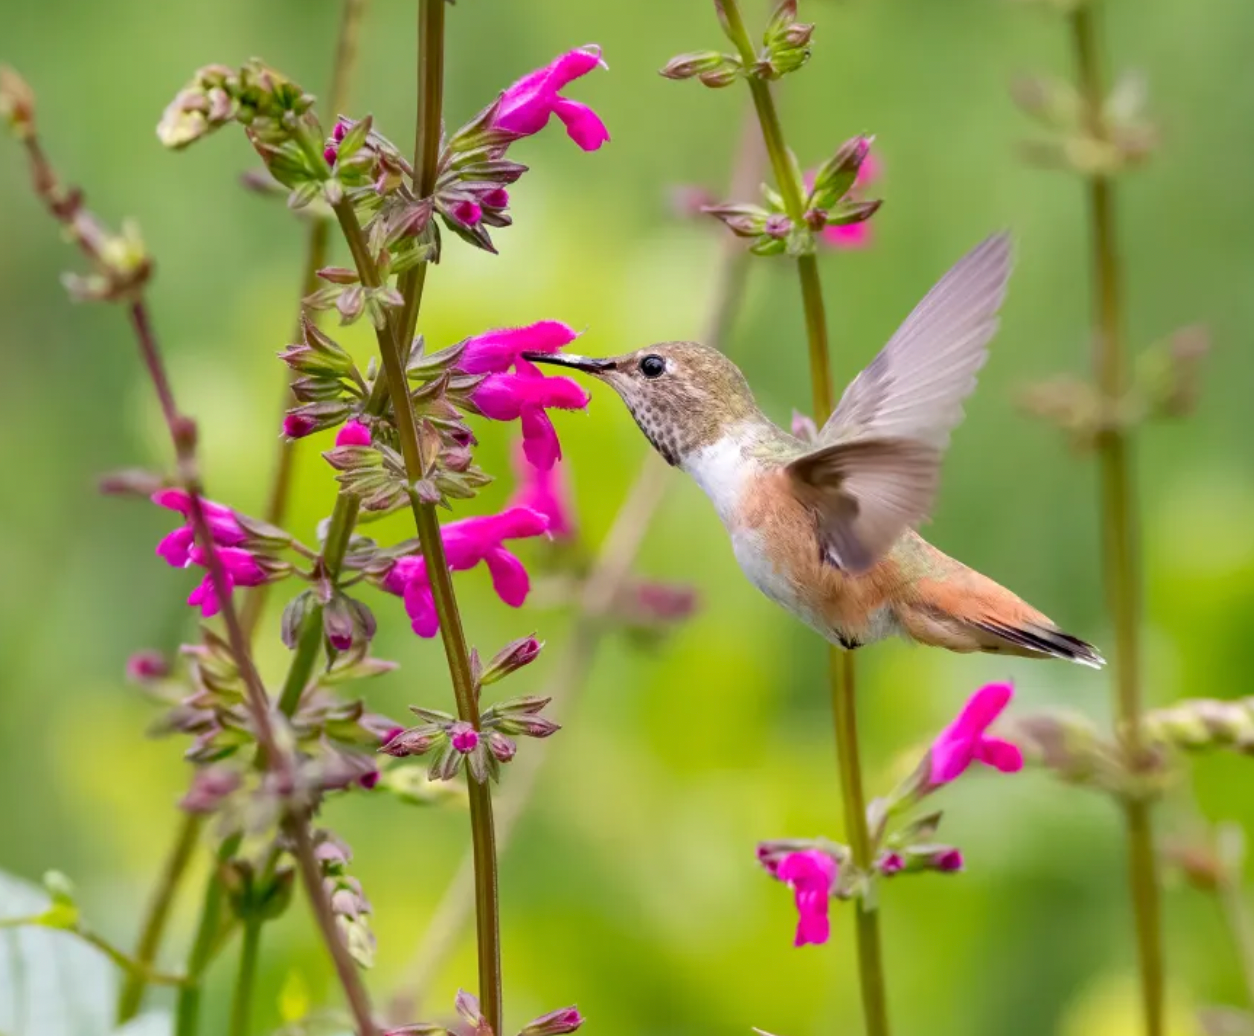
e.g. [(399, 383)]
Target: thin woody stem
[(1120, 534), (352, 14), (600, 591), (131, 996), (841, 664), (483, 840)]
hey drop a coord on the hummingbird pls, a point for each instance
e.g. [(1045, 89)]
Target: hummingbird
[(827, 529)]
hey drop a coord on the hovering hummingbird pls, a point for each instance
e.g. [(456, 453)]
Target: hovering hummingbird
[(826, 528)]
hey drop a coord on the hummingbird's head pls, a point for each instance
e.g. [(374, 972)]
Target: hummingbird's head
[(683, 395)]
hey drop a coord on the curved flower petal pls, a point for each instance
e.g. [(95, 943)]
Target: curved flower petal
[(1001, 755), (176, 546), (420, 607), (493, 352), (583, 125), (509, 577), (498, 398), (540, 442)]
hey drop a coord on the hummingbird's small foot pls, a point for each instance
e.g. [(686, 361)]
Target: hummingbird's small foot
[(848, 644)]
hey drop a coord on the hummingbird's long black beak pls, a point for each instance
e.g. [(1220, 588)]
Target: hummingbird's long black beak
[(587, 364)]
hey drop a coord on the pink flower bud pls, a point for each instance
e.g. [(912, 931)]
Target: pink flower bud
[(502, 747), (353, 433), (890, 863), (146, 666), (948, 860), (555, 1023), (297, 426), (466, 212), (464, 737), (497, 198)]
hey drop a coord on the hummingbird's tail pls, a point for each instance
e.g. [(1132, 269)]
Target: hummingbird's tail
[(1038, 639)]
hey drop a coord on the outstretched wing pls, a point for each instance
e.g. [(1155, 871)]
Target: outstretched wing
[(877, 469)]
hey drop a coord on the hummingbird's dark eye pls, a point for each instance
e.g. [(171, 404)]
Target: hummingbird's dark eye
[(653, 366)]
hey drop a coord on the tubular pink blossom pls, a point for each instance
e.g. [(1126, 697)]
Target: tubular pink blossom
[(494, 352), (855, 235), (964, 741), (525, 107), (524, 397), (353, 433), (543, 490), (811, 875), (239, 568), (175, 548), (467, 543)]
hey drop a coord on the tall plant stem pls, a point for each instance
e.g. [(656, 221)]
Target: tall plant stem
[(352, 14), (187, 1007), (152, 929), (246, 979), (840, 664), (393, 342), (1120, 535), (601, 589)]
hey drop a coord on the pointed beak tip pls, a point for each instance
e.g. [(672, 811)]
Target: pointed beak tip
[(586, 364)]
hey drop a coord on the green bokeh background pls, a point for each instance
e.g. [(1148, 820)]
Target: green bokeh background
[(631, 886)]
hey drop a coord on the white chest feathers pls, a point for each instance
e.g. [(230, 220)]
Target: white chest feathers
[(720, 469)]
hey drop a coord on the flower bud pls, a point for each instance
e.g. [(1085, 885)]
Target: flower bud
[(414, 741), (146, 667), (555, 1023), (314, 417), (512, 657), (685, 66), (17, 103), (890, 863), (463, 737), (502, 748), (210, 787)]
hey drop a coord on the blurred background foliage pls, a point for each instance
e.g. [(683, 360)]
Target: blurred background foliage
[(632, 887)]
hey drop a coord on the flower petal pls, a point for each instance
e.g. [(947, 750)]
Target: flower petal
[(420, 607), (540, 443), (583, 125), (1001, 755), (509, 577), (176, 546)]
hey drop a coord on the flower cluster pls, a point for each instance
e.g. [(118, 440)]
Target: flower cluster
[(482, 749), (817, 870), (247, 555), (832, 205), (785, 48), (556, 1023)]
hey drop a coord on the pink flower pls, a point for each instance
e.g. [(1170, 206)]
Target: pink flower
[(525, 107), (964, 741), (855, 235), (464, 737), (524, 397), (495, 352), (467, 212), (890, 863), (223, 526), (297, 426), (145, 666), (466, 544), (354, 433), (555, 1023), (948, 860), (811, 875), (543, 490), (239, 568)]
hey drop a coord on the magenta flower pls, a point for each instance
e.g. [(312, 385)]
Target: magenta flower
[(467, 212), (239, 568), (464, 737), (964, 741), (525, 107), (353, 433), (297, 426), (811, 875), (543, 490), (495, 352), (855, 235), (223, 526), (526, 398), (467, 543), (146, 666), (890, 863), (948, 860)]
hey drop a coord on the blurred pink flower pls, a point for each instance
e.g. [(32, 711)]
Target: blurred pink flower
[(467, 543), (146, 666), (964, 741), (464, 737), (543, 490), (948, 860), (525, 107), (527, 397), (855, 235), (496, 351), (353, 433), (223, 526), (239, 568), (811, 875)]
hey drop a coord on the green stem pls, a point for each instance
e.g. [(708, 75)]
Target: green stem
[(1120, 535), (127, 963), (187, 1008), (840, 663), (297, 828), (352, 14), (483, 839), (242, 1005), (131, 997)]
